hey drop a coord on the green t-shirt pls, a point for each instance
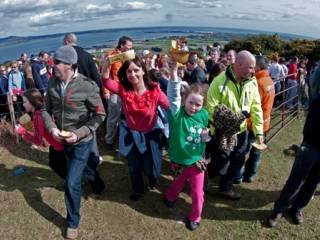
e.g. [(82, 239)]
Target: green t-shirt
[(185, 145)]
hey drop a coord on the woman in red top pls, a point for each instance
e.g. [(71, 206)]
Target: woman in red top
[(140, 130), (33, 102)]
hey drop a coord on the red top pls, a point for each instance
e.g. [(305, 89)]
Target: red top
[(140, 110), (39, 133), (292, 69)]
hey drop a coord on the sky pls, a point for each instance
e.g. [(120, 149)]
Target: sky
[(41, 17)]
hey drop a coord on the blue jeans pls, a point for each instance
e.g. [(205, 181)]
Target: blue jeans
[(249, 170), (77, 157), (291, 93), (302, 181), (237, 158)]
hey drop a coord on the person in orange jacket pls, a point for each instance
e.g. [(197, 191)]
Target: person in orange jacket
[(114, 102), (267, 94)]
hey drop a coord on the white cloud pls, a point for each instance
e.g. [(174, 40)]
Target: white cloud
[(142, 6), (200, 4), (98, 8), (46, 15)]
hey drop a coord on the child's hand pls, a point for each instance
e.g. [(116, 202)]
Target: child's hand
[(205, 137), (173, 69)]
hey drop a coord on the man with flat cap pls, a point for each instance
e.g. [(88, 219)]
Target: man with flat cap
[(74, 102)]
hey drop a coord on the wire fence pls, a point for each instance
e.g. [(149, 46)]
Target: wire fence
[(286, 110)]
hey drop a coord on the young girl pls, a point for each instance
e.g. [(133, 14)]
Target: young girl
[(187, 136), (140, 130), (33, 102)]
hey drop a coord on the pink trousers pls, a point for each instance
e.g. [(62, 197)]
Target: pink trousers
[(196, 179)]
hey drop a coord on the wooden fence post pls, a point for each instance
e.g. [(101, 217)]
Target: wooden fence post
[(12, 116)]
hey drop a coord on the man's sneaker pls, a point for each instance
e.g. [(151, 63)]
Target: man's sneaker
[(168, 203), (297, 217), (247, 179), (237, 181), (191, 225), (230, 194), (72, 233), (100, 160), (273, 220)]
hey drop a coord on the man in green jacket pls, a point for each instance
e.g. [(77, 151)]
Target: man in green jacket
[(75, 104), (238, 90)]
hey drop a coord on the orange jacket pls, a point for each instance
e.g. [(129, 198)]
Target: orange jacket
[(114, 68), (267, 93)]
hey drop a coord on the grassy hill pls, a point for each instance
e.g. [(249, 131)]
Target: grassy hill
[(32, 209)]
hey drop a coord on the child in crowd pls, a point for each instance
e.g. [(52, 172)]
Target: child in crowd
[(187, 136), (33, 102), (140, 126)]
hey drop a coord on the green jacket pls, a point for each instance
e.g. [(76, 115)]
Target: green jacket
[(76, 107), (238, 97)]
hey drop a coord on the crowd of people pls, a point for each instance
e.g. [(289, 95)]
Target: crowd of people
[(207, 112)]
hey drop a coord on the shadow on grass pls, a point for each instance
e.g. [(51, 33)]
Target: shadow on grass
[(249, 208), (118, 187), (29, 184), (23, 150)]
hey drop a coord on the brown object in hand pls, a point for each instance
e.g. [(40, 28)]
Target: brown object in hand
[(25, 121), (122, 57), (260, 147), (65, 134)]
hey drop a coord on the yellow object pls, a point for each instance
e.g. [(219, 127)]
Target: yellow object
[(121, 57), (178, 55), (25, 121)]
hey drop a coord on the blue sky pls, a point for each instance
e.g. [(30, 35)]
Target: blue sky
[(39, 17)]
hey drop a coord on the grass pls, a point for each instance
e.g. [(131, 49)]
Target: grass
[(31, 210)]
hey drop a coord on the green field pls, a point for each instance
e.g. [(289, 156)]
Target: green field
[(32, 209)]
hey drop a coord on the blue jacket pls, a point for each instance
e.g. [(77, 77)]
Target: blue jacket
[(40, 76)]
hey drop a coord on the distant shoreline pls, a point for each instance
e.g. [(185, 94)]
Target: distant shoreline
[(12, 47)]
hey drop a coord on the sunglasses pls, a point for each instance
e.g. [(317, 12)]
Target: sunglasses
[(14, 67)]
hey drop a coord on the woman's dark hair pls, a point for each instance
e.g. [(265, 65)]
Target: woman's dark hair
[(122, 74), (35, 98), (154, 75), (123, 40)]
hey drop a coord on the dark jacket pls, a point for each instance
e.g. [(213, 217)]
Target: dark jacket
[(311, 130), (197, 76), (3, 84), (77, 108), (40, 75), (86, 65)]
